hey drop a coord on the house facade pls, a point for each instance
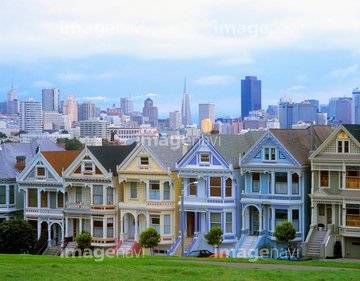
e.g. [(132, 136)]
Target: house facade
[(149, 185), (335, 195), (277, 178)]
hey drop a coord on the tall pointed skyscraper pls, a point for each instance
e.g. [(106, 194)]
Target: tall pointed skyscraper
[(185, 109)]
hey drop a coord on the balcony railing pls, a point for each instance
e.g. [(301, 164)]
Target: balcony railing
[(44, 211), (353, 220), (270, 197), (86, 207), (77, 206)]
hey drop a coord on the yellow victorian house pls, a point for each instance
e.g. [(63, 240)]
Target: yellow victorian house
[(150, 187)]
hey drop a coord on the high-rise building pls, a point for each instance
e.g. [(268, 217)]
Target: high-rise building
[(30, 116), (250, 95), (12, 103), (70, 107), (207, 111), (185, 108), (127, 105), (291, 113), (93, 128), (343, 111), (50, 99), (316, 102), (175, 120), (87, 110), (355, 110), (151, 111)]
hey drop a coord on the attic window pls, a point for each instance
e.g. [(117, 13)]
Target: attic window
[(342, 145), (144, 160), (205, 158), (87, 167), (40, 171), (269, 154)]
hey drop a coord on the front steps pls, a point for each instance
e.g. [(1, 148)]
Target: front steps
[(69, 249), (187, 242), (52, 251), (314, 244), (125, 247), (246, 246)]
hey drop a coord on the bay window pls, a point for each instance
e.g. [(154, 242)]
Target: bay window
[(215, 187), (215, 220), (98, 194)]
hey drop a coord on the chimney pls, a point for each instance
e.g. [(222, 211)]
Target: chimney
[(184, 148), (20, 162)]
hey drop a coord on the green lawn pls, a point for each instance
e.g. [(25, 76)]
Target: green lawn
[(18, 267)]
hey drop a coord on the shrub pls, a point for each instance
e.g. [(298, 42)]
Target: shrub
[(84, 240), (214, 237), (149, 238), (285, 232)]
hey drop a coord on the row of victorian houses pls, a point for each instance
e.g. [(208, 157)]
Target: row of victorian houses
[(246, 184)]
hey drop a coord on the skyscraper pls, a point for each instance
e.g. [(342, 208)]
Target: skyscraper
[(250, 95), (127, 105), (185, 108), (355, 110), (50, 99), (151, 111), (30, 116), (70, 107), (87, 110), (175, 120), (206, 111)]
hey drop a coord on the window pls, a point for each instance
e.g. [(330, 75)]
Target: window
[(11, 194), (324, 178), (60, 200), (110, 228), (270, 219), (204, 158), (40, 171), (155, 222), (43, 199), (154, 190), (295, 219), (353, 215), (166, 191), (321, 210), (215, 220), (343, 144), (281, 183), (269, 183), (280, 216), (215, 187), (352, 177), (144, 161), (98, 194), (269, 153), (88, 167), (33, 194), (78, 194), (192, 187), (133, 190), (110, 196), (255, 182), (98, 228), (167, 224), (2, 194), (228, 188), (228, 226), (295, 183)]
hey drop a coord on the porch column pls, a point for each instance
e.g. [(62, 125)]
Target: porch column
[(26, 199), (38, 229), (315, 211), (39, 198), (196, 222), (242, 221), (333, 213), (80, 224), (63, 232), (272, 182), (121, 229), (260, 220), (49, 234), (136, 230), (273, 219), (344, 213), (289, 183), (312, 181)]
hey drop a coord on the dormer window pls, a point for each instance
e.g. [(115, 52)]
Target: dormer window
[(343, 144), (144, 160), (269, 153), (205, 158)]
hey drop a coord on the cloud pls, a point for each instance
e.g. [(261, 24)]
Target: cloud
[(82, 76), (344, 72), (100, 99), (152, 95), (42, 84), (71, 76), (215, 80), (294, 88)]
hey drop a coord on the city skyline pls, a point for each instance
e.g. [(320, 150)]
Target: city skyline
[(80, 53)]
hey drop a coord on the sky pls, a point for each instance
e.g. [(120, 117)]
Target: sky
[(103, 50)]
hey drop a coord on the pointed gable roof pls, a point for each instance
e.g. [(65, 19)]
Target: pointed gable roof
[(111, 156), (354, 130), (298, 141), (231, 146), (60, 160)]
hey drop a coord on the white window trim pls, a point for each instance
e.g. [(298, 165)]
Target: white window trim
[(144, 156), (83, 166), (270, 148), (137, 191), (205, 153), (343, 145)]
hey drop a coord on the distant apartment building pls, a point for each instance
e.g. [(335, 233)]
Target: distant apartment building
[(355, 110), (291, 113), (206, 125), (175, 120), (87, 110), (132, 133), (52, 120), (28, 138), (50, 99), (71, 108), (127, 105), (91, 141), (12, 103), (93, 128), (343, 111), (30, 116), (207, 111)]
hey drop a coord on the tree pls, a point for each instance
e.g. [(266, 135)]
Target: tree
[(285, 232), (2, 135), (214, 132), (17, 236), (149, 238), (105, 142), (39, 249), (214, 237), (73, 144), (84, 240)]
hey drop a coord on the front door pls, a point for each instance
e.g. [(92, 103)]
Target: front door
[(190, 224), (254, 221), (329, 215), (75, 223)]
